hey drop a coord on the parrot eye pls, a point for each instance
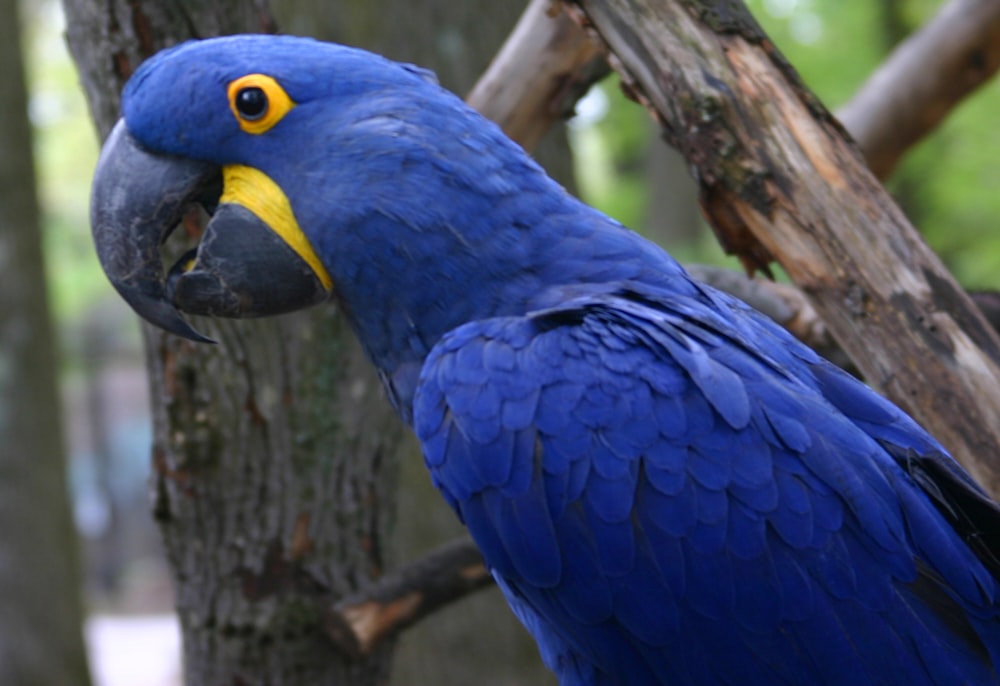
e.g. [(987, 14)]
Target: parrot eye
[(258, 102), (251, 103)]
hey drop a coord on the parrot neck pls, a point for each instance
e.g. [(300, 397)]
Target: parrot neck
[(432, 218), (411, 284)]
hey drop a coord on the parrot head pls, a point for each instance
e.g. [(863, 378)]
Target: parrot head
[(279, 138), (331, 172)]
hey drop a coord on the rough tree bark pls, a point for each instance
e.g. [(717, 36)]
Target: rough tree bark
[(273, 455), (780, 179), (41, 615)]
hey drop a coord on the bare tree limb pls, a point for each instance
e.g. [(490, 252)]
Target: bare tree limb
[(358, 623), (774, 165), (548, 61), (543, 68), (923, 80)]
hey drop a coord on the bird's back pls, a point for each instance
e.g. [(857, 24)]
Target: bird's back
[(672, 490)]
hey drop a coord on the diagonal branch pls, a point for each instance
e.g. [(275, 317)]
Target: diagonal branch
[(549, 60), (546, 65), (789, 306), (774, 165)]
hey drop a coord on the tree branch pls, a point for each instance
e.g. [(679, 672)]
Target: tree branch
[(545, 65), (549, 61), (926, 76), (779, 173), (357, 623)]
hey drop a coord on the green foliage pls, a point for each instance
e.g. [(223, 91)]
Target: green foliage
[(958, 171)]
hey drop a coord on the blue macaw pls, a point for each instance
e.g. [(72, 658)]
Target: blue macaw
[(667, 487)]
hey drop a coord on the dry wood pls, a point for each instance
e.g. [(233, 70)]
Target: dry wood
[(787, 305), (544, 67), (777, 171), (402, 598), (782, 302), (548, 61)]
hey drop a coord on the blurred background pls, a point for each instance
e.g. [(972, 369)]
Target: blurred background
[(947, 186)]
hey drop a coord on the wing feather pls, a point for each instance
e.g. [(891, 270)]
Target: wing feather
[(662, 500)]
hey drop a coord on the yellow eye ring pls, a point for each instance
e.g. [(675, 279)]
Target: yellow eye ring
[(258, 102)]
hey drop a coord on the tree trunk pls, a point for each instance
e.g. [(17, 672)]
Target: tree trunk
[(780, 179), (41, 640), (274, 452)]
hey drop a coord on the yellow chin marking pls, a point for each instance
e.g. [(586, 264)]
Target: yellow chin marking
[(254, 190)]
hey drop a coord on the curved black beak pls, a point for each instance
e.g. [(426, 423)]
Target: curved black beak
[(137, 199), (242, 267)]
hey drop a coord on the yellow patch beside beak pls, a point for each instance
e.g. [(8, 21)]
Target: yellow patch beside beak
[(255, 191)]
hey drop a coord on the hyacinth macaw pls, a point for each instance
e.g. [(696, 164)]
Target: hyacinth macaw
[(667, 487)]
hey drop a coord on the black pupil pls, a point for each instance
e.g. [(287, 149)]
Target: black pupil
[(251, 103)]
